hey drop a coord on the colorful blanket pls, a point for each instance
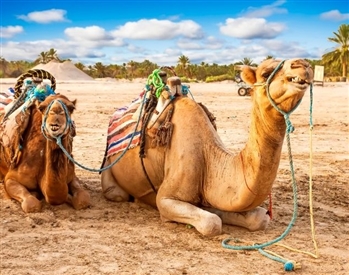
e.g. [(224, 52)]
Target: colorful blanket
[(122, 128), (5, 98)]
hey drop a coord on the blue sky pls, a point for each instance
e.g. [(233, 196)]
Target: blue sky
[(211, 31)]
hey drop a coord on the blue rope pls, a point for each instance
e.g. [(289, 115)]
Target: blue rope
[(68, 124), (288, 265), (153, 79), (59, 143)]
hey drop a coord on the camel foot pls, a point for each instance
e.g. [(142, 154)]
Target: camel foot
[(81, 200), (210, 226), (31, 205), (116, 194), (257, 219)]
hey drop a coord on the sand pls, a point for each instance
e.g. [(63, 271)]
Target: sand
[(129, 238)]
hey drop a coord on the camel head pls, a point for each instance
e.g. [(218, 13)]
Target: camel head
[(56, 115), (285, 81)]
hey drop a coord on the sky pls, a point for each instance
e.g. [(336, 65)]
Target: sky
[(210, 31)]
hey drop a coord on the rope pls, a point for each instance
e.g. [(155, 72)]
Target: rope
[(288, 265), (59, 143), (155, 79)]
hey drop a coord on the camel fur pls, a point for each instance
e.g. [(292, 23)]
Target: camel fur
[(41, 169), (198, 180)]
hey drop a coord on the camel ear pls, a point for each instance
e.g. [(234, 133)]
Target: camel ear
[(248, 75), (71, 106)]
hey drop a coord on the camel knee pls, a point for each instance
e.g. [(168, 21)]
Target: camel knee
[(31, 205)]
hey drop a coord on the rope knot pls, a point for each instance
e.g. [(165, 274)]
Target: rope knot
[(289, 126)]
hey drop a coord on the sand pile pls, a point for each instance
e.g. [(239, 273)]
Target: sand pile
[(64, 71)]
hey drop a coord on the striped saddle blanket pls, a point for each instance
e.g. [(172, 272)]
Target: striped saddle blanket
[(6, 97), (122, 128)]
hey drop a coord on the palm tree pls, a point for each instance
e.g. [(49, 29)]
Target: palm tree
[(43, 58), (340, 54), (131, 66), (245, 61), (100, 70), (3, 66), (80, 66), (269, 57), (183, 62), (52, 55)]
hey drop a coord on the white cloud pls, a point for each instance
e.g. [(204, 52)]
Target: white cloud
[(334, 15), (267, 10), (45, 17), (188, 44), (154, 29), (214, 43), (93, 36), (91, 33), (251, 28), (30, 50), (10, 31)]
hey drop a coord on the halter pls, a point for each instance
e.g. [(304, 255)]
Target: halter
[(67, 116), (289, 126)]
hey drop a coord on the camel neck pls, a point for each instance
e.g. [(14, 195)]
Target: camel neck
[(261, 156)]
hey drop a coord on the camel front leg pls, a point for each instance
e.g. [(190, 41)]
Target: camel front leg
[(206, 223), (253, 220), (17, 191), (77, 196)]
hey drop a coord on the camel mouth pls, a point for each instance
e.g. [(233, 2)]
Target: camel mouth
[(297, 79), (54, 128)]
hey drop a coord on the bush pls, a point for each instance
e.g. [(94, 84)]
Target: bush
[(219, 78)]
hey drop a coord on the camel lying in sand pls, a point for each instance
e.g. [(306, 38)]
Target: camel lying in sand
[(31, 163), (195, 179)]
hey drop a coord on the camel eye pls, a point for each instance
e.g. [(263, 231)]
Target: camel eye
[(266, 74), (42, 108)]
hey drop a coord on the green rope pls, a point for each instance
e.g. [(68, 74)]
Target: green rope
[(288, 265), (155, 80)]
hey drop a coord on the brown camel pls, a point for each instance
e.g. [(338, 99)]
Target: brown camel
[(197, 180), (40, 168)]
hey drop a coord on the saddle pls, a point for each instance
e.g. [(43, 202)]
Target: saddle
[(15, 119)]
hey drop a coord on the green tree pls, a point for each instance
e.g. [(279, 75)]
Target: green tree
[(43, 58), (339, 56), (52, 54), (183, 63), (269, 57), (80, 66), (3, 66), (245, 61), (100, 70)]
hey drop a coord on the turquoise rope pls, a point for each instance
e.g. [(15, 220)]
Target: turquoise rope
[(153, 79), (59, 143), (288, 265)]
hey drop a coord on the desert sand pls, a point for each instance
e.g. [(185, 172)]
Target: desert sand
[(130, 238)]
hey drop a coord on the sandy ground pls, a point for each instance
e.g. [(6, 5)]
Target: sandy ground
[(129, 238)]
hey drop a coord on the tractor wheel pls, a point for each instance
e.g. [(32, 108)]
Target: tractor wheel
[(242, 91)]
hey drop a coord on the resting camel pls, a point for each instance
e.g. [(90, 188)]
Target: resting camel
[(31, 163), (195, 179)]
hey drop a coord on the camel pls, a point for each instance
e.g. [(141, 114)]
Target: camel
[(40, 169), (195, 179)]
